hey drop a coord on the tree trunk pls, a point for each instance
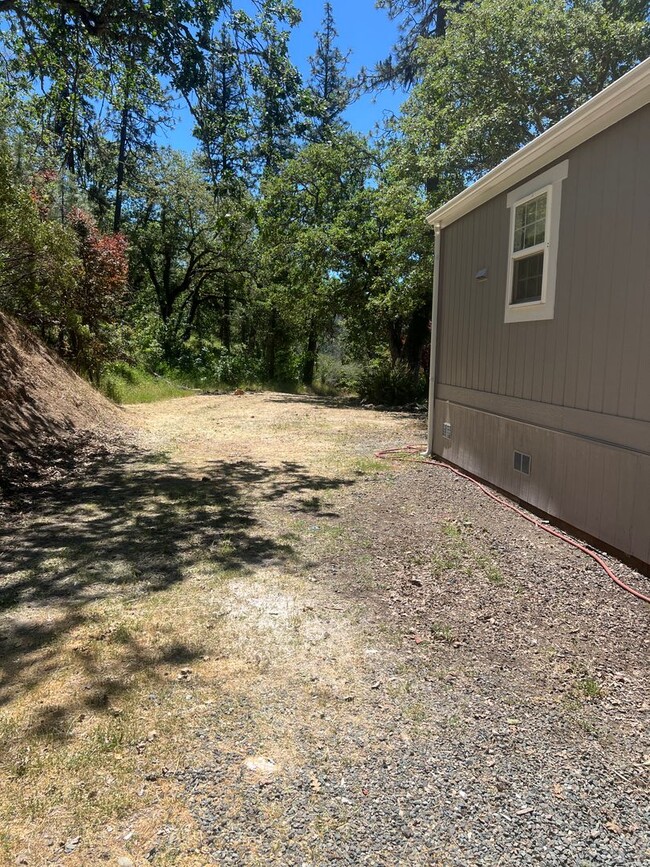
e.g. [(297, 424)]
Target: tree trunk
[(395, 340), (417, 335), (309, 364), (121, 161), (441, 19), (270, 346), (225, 320)]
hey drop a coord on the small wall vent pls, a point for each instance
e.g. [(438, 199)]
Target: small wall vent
[(446, 430), (522, 463)]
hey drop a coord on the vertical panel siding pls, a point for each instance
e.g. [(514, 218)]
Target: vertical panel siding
[(595, 353), (599, 489)]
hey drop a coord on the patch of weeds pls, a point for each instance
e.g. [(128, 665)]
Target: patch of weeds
[(5, 844), (589, 687), (334, 531), (442, 632), (441, 563), (458, 551), (311, 504), (588, 727), (121, 634), (225, 548), (417, 712), (419, 560), (122, 383), (452, 530), (490, 569), (162, 457), (366, 466)]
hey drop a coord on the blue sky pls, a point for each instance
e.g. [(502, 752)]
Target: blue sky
[(363, 30)]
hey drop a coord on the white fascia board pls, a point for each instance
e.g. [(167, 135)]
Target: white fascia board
[(620, 99)]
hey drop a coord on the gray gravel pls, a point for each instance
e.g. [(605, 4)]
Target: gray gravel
[(497, 716)]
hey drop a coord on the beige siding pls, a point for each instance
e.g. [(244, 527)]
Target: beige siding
[(573, 391), (601, 489), (595, 354)]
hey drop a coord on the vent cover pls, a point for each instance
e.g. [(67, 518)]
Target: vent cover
[(522, 463), (446, 430)]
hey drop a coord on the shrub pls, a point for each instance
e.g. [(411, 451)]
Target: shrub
[(334, 375), (391, 383)]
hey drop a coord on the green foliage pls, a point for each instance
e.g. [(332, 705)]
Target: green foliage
[(192, 251), (329, 91), (208, 364), (391, 383), (286, 229), (333, 375), (300, 210), (417, 20), (489, 85), (124, 384)]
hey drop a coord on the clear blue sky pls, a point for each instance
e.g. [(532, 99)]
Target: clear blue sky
[(367, 33)]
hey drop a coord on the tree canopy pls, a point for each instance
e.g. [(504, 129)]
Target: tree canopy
[(286, 245)]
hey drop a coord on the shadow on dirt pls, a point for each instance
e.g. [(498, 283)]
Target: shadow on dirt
[(410, 410), (130, 527)]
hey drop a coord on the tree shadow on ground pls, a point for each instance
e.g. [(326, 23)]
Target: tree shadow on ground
[(315, 400), (132, 526)]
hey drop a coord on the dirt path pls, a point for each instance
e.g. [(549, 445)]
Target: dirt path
[(243, 640)]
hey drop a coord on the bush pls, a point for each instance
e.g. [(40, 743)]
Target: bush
[(391, 383), (334, 375), (208, 364)]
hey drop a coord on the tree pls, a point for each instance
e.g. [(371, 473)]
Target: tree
[(418, 19), (329, 91), (488, 86), (274, 80), (139, 107), (385, 263), (300, 207), (223, 117), (98, 292), (190, 248), (39, 265)]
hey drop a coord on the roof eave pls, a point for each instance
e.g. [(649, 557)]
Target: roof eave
[(615, 102)]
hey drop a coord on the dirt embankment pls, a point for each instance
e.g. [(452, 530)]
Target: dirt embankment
[(49, 416)]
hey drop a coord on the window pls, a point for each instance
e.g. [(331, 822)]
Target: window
[(533, 241)]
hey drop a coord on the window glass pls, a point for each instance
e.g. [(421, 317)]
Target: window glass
[(527, 281), (530, 223)]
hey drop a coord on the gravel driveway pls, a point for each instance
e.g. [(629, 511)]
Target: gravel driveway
[(436, 683), (247, 641)]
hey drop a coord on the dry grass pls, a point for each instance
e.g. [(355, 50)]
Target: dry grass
[(150, 598)]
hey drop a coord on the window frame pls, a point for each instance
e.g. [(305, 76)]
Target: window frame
[(550, 183)]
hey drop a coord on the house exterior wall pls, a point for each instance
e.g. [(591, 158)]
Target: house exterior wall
[(572, 391)]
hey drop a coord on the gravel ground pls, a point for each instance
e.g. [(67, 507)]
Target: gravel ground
[(305, 656), (458, 689)]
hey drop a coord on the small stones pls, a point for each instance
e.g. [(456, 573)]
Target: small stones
[(71, 844)]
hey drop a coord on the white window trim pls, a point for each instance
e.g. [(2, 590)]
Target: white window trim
[(549, 182)]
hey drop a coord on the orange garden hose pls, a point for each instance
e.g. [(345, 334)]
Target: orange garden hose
[(413, 449)]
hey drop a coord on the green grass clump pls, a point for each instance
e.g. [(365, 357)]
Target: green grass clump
[(590, 687), (125, 384)]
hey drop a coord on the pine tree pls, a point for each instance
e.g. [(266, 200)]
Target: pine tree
[(329, 91), (223, 119)]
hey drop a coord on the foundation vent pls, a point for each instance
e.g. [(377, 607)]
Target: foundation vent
[(522, 463), (446, 430)]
